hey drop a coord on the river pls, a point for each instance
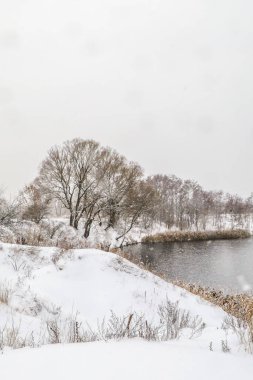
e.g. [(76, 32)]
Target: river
[(220, 264)]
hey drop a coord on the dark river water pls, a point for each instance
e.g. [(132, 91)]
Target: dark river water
[(220, 264)]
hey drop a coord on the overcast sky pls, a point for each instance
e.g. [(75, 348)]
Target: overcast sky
[(167, 83)]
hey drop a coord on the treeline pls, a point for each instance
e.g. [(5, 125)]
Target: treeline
[(91, 184), (186, 205)]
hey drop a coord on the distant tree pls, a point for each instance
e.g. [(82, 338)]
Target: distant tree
[(120, 179), (138, 203), (185, 205), (35, 204), (8, 210)]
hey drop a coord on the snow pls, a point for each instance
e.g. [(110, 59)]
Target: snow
[(49, 283), (124, 360), (92, 283)]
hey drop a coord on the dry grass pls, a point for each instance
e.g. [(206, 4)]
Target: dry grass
[(237, 305), (5, 293), (11, 337), (243, 330), (180, 236), (172, 323)]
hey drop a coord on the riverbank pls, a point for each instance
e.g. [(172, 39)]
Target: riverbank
[(238, 305), (182, 236)]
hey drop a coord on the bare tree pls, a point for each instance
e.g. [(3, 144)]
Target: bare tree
[(70, 173), (8, 211), (120, 179), (35, 204), (139, 201), (185, 205), (90, 181)]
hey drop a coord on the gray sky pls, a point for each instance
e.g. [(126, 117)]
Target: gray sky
[(167, 83)]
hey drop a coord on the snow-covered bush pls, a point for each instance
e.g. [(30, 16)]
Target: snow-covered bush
[(46, 233)]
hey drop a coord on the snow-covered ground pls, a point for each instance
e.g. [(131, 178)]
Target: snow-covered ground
[(47, 284), (136, 359)]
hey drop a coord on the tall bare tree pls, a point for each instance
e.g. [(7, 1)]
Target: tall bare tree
[(89, 180), (69, 173)]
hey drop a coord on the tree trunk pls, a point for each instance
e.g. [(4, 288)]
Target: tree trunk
[(76, 222), (112, 220), (87, 228)]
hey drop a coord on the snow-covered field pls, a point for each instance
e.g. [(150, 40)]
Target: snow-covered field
[(38, 285)]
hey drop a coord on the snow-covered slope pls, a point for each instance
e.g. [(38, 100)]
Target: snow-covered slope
[(45, 284), (90, 282)]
